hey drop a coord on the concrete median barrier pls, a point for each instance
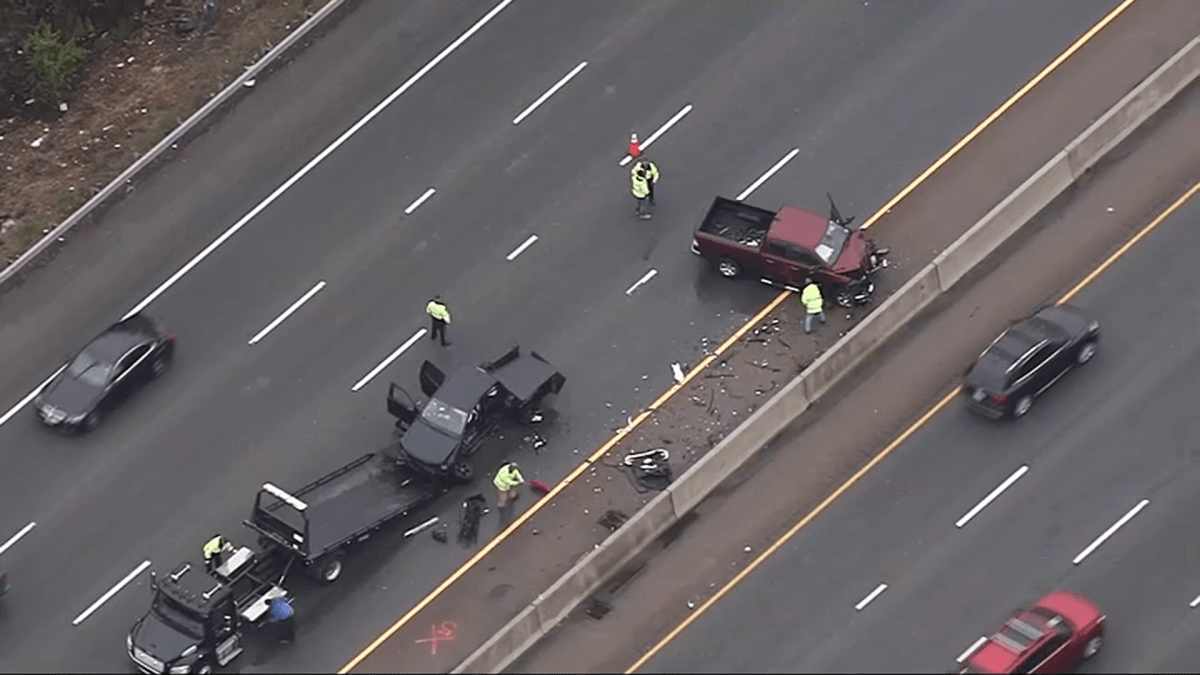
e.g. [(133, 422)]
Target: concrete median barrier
[(584, 579), (951, 266), (1002, 222), (871, 332), (506, 645), (740, 445), (1136, 107)]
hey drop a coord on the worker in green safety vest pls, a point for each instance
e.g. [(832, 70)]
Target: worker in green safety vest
[(645, 176), (814, 304), (213, 548), (439, 317), (508, 477)]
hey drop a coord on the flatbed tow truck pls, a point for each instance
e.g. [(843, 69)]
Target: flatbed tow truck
[(196, 618)]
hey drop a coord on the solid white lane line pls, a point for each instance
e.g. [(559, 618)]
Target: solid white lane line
[(1195, 603), (770, 172), (287, 312), (29, 397), (549, 92), (971, 650), (870, 596), (992, 496), (16, 537), (521, 249), (419, 201), (661, 130), (408, 84), (1109, 532), (386, 362), (111, 592), (645, 277)]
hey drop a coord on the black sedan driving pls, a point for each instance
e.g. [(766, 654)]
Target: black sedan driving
[(1028, 357), (464, 409), (113, 365)]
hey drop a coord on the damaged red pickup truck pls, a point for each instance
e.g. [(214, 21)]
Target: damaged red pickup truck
[(785, 246)]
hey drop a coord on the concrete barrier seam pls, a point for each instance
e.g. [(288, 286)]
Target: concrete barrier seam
[(172, 138)]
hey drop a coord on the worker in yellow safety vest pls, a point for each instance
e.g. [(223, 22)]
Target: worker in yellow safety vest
[(645, 176), (213, 548), (508, 477), (439, 317), (814, 304)]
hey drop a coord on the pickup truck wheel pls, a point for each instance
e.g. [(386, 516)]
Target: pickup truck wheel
[(329, 570), (462, 472), (205, 669), (729, 268)]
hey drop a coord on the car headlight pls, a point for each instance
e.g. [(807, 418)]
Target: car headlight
[(181, 669), (1093, 326)]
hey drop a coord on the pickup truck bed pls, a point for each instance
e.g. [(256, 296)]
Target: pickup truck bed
[(737, 222)]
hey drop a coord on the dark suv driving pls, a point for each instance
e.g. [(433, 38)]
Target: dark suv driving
[(1027, 358)]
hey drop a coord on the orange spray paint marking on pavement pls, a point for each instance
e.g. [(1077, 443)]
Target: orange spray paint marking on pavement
[(438, 633)]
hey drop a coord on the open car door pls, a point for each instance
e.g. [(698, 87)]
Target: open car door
[(431, 379), (403, 409)]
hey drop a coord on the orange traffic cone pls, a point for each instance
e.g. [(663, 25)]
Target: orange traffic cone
[(634, 148)]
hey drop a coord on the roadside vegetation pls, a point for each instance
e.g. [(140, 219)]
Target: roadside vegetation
[(89, 85)]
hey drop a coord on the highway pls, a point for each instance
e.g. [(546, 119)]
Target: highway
[(870, 93), (1094, 491)]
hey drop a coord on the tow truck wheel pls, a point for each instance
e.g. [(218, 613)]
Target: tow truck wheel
[(329, 570), (462, 472), (729, 268)]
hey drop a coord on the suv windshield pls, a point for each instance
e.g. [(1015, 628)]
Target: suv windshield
[(445, 417), (832, 243), (178, 616), (88, 370)]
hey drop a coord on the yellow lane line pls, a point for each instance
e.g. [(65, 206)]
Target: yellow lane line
[(578, 471), (1012, 100), (937, 407)]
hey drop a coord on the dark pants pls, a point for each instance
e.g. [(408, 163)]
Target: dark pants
[(651, 183), (437, 327), (643, 206), (213, 562), (287, 629)]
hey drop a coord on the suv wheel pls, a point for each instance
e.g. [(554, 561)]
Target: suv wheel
[(1022, 406), (1085, 353), (1092, 646), (158, 366), (91, 421)]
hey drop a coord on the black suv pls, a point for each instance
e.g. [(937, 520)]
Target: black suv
[(1028, 357)]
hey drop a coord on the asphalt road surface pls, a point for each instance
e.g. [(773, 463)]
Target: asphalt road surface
[(1111, 442), (870, 93)]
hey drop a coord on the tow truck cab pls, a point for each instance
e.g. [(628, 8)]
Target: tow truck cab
[(192, 625), (195, 620)]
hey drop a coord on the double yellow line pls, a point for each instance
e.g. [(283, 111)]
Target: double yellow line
[(737, 335)]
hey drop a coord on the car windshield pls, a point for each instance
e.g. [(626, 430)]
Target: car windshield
[(182, 618), (444, 417), (832, 243), (89, 370)]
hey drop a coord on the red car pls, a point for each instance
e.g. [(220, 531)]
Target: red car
[(1057, 634)]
